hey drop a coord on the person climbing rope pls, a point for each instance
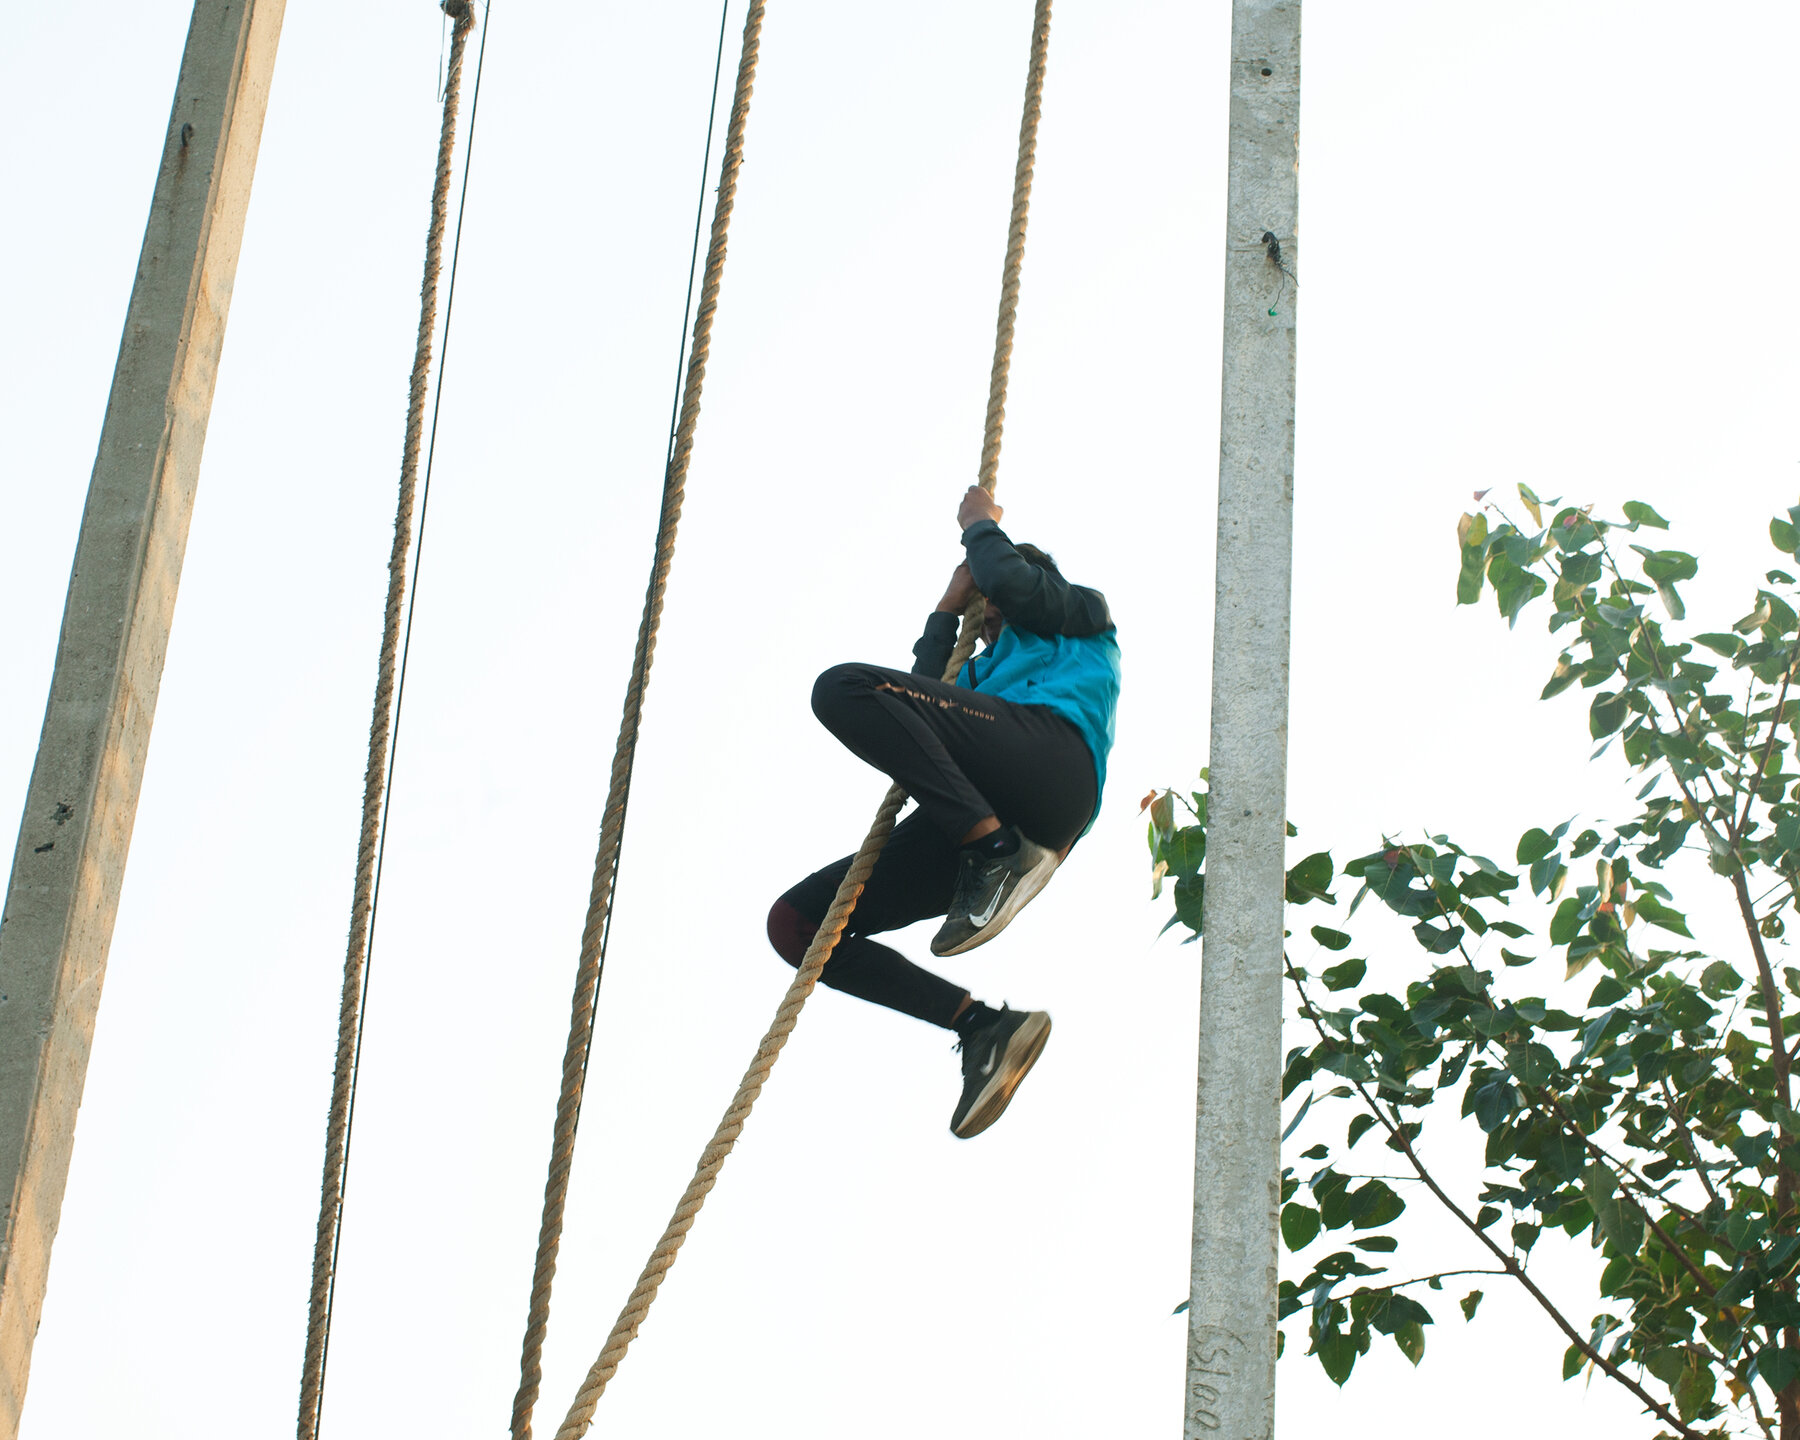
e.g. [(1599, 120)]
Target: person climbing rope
[(1006, 766)]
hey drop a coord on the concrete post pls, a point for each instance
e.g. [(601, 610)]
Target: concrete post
[(70, 862), (1237, 1165)]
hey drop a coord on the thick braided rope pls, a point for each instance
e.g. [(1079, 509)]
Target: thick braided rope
[(1015, 247), (612, 824), (343, 1080), (712, 1159)]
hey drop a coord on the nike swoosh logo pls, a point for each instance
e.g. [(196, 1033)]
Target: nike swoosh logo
[(979, 920), (992, 1060)]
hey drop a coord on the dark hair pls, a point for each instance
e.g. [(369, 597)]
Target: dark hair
[(1038, 558)]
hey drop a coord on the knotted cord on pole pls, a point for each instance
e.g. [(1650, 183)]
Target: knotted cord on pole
[(612, 823), (712, 1159), (375, 776)]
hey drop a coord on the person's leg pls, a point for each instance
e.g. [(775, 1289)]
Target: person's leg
[(911, 882), (972, 761), (896, 722)]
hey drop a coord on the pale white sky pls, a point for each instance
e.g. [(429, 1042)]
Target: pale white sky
[(1542, 241)]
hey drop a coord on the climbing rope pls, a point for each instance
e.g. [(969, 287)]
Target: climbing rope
[(712, 1159), (612, 822), (375, 777)]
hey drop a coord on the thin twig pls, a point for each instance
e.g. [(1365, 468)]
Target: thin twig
[(1427, 1279), (1681, 1124)]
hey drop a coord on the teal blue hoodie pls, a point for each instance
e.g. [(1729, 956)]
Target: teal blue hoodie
[(1059, 648)]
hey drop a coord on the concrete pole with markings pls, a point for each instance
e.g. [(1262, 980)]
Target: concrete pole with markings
[(69, 864), (1237, 1165)]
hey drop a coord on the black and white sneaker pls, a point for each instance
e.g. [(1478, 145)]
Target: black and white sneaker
[(995, 1059), (990, 890)]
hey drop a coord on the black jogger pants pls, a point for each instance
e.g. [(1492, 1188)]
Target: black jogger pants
[(962, 756)]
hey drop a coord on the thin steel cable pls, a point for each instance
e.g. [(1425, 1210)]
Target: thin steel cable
[(390, 672), (681, 351), (612, 823), (712, 1158)]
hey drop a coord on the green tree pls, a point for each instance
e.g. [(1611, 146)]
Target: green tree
[(1658, 1117)]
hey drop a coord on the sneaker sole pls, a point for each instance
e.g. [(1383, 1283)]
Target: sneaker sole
[(1033, 881), (1022, 1053)]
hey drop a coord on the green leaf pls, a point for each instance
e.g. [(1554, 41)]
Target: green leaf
[(1534, 845), (1359, 1127), (1757, 618), (1342, 977), (1310, 879), (1410, 1337), (1661, 565), (1376, 1204), (1337, 1353), (1471, 540), (1608, 992), (1470, 1304), (1780, 1368), (1438, 941), (1694, 1390), (1573, 1360), (1378, 1244), (1512, 957), (1532, 503), (1299, 1225), (1493, 1103), (1619, 1220), (1190, 902), (1648, 907), (1726, 645), (1607, 713), (1532, 1064), (1638, 513), (1563, 1153), (1782, 533), (1565, 925), (1572, 530), (1565, 675), (1299, 1115), (1329, 938), (1514, 590), (1181, 1309), (1185, 851), (1719, 980)]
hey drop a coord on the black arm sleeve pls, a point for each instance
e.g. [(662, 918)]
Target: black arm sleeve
[(1030, 597), (931, 653)]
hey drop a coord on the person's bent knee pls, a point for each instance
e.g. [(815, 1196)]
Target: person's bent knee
[(790, 932), (837, 689), (841, 690)]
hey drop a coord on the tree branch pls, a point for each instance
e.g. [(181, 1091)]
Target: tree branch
[(1762, 767), (1628, 1180), (1511, 1267), (1687, 1137), (1766, 979)]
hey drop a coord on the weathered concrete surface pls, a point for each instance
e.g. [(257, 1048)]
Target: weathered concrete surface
[(70, 861), (1231, 1320)]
